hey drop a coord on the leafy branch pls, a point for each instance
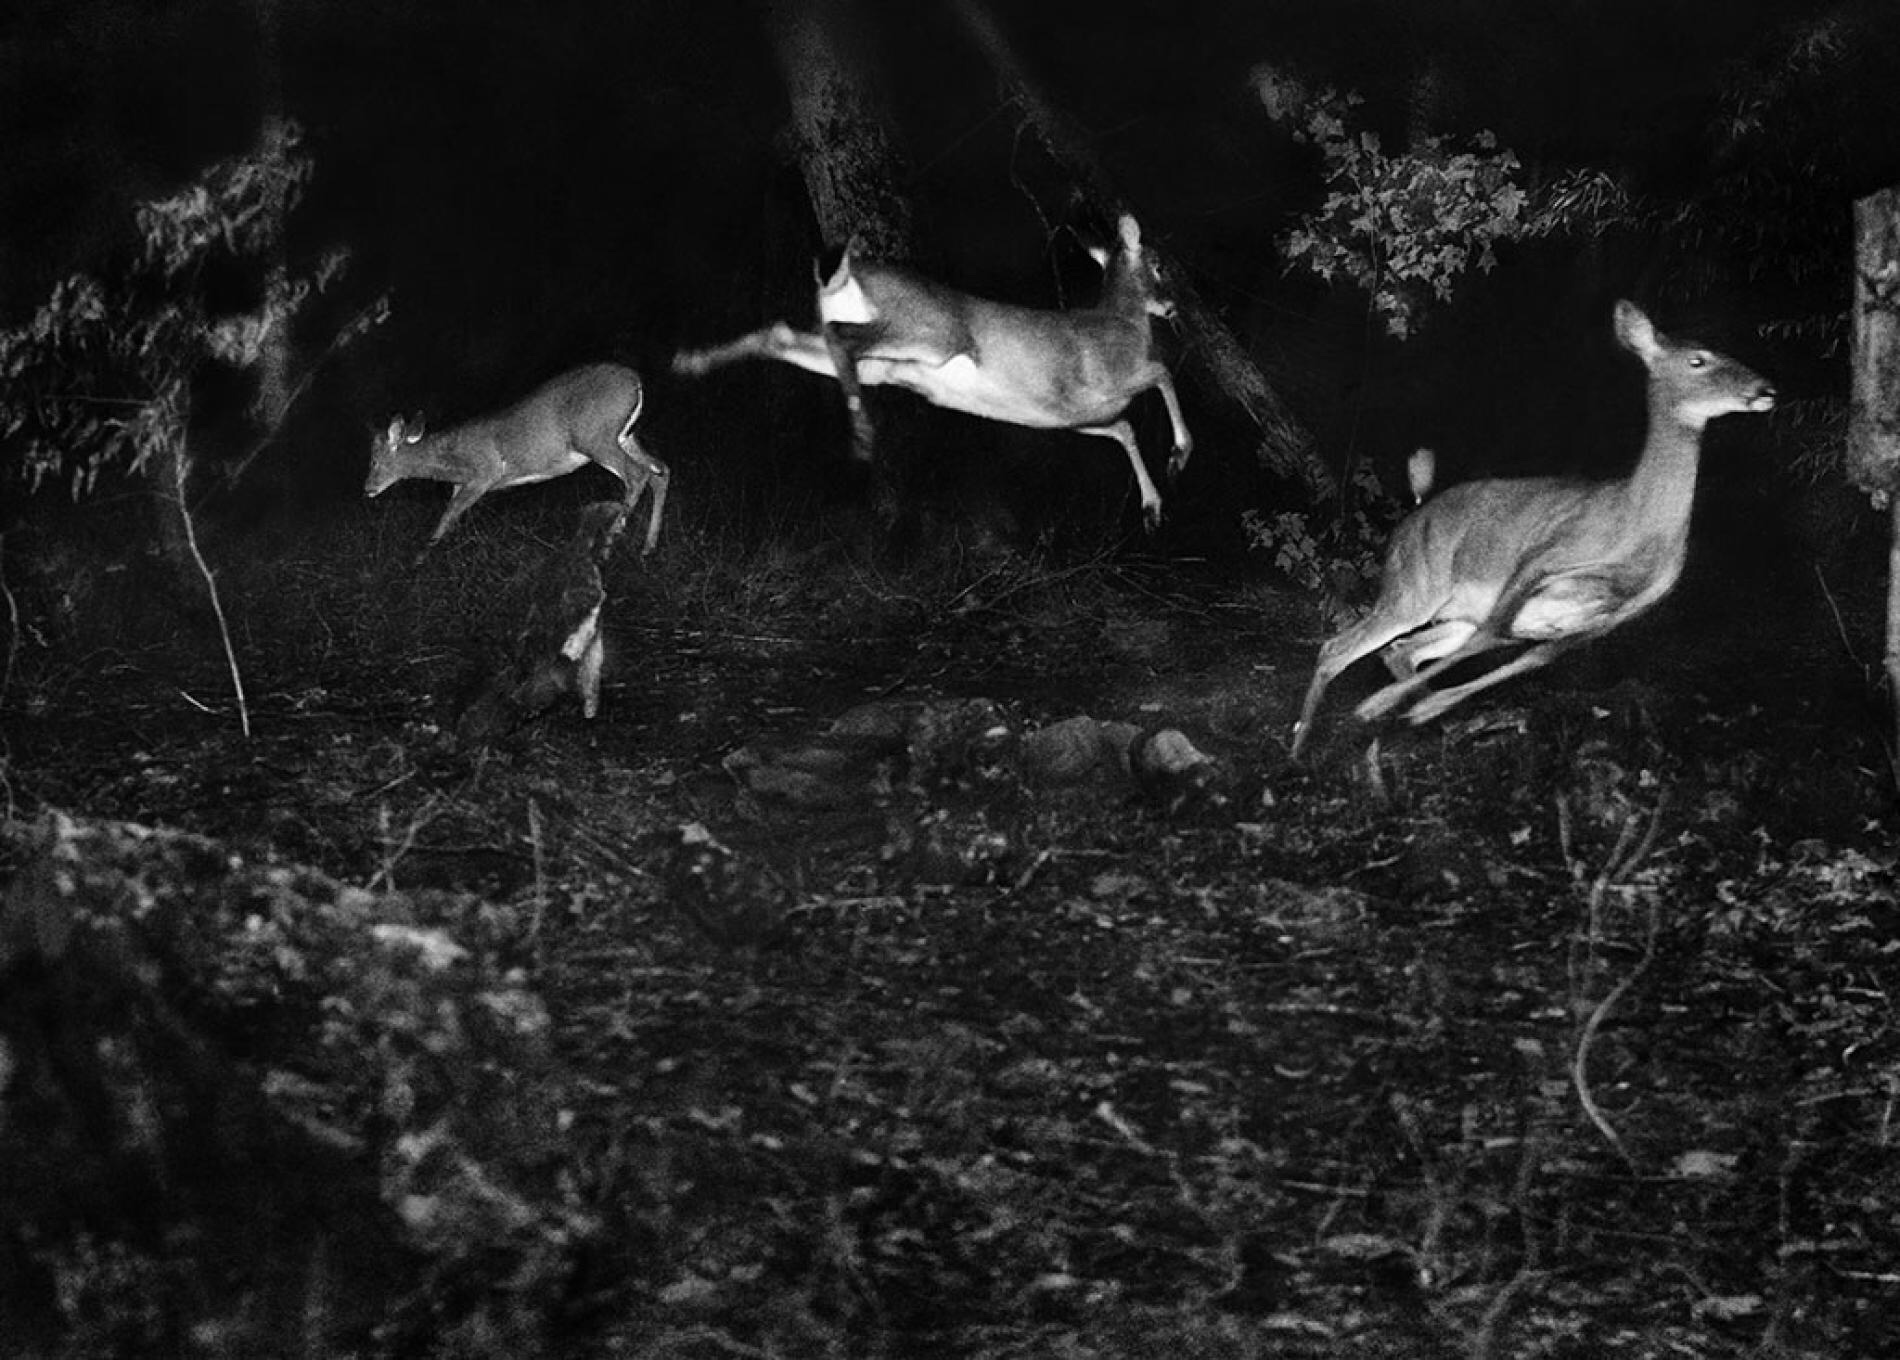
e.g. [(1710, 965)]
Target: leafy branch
[(98, 380), (1407, 226)]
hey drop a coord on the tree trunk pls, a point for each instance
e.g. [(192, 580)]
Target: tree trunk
[(1893, 632), (273, 370), (849, 159), (852, 167), (1873, 422), (1873, 428), (1284, 445)]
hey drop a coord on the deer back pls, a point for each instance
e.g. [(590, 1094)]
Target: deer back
[(572, 419), (559, 427), (1026, 365)]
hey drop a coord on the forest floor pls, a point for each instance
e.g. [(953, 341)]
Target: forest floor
[(1565, 1027)]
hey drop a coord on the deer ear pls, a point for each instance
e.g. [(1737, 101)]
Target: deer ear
[(1634, 331), (1130, 233)]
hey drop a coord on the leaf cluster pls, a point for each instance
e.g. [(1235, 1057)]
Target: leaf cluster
[(99, 379), (1407, 226), (1336, 545)]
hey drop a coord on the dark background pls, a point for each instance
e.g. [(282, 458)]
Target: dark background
[(545, 185)]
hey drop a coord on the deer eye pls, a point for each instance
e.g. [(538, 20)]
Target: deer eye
[(1698, 361)]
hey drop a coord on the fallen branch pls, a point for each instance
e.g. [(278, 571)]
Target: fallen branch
[(1621, 861)]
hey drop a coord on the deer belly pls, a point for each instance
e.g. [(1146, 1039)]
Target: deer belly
[(1404, 656), (962, 384), (542, 470), (1566, 607)]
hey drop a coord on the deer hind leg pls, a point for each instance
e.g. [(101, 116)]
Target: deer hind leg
[(1120, 432), (656, 481), (1554, 612), (1393, 696), (777, 341), (639, 471), (1404, 656), (1183, 441), (1434, 704), (1375, 631)]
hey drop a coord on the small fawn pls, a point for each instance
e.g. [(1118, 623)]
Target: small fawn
[(585, 415)]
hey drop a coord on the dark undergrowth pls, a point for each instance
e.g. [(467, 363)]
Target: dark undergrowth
[(1566, 1028)]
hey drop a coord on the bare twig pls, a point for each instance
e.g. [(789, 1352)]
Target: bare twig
[(1284, 444), (384, 877), (1840, 624), (1616, 867), (181, 461), (540, 875), (1484, 1342), (690, 1340), (371, 316), (13, 623)]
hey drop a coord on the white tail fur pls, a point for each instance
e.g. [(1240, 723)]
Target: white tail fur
[(585, 415), (1544, 562), (1421, 470), (1077, 370)]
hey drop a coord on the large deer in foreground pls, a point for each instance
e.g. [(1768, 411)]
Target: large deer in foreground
[(1545, 563), (585, 415), (1077, 370)]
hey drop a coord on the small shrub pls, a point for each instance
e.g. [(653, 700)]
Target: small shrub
[(1406, 226), (1336, 548)]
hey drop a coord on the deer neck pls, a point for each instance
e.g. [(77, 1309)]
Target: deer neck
[(449, 451), (1661, 491), (1122, 292)]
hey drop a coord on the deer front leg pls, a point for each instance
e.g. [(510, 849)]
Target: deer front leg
[(1183, 441), (1363, 638), (1150, 497), (844, 365), (460, 503)]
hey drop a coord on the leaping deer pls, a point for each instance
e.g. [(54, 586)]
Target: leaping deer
[(1545, 562), (883, 325), (585, 415)]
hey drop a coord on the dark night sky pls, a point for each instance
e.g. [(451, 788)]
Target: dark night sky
[(502, 124), (545, 183)]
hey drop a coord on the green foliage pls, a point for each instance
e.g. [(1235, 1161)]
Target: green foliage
[(392, 1032), (1407, 226), (1336, 546), (99, 379)]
